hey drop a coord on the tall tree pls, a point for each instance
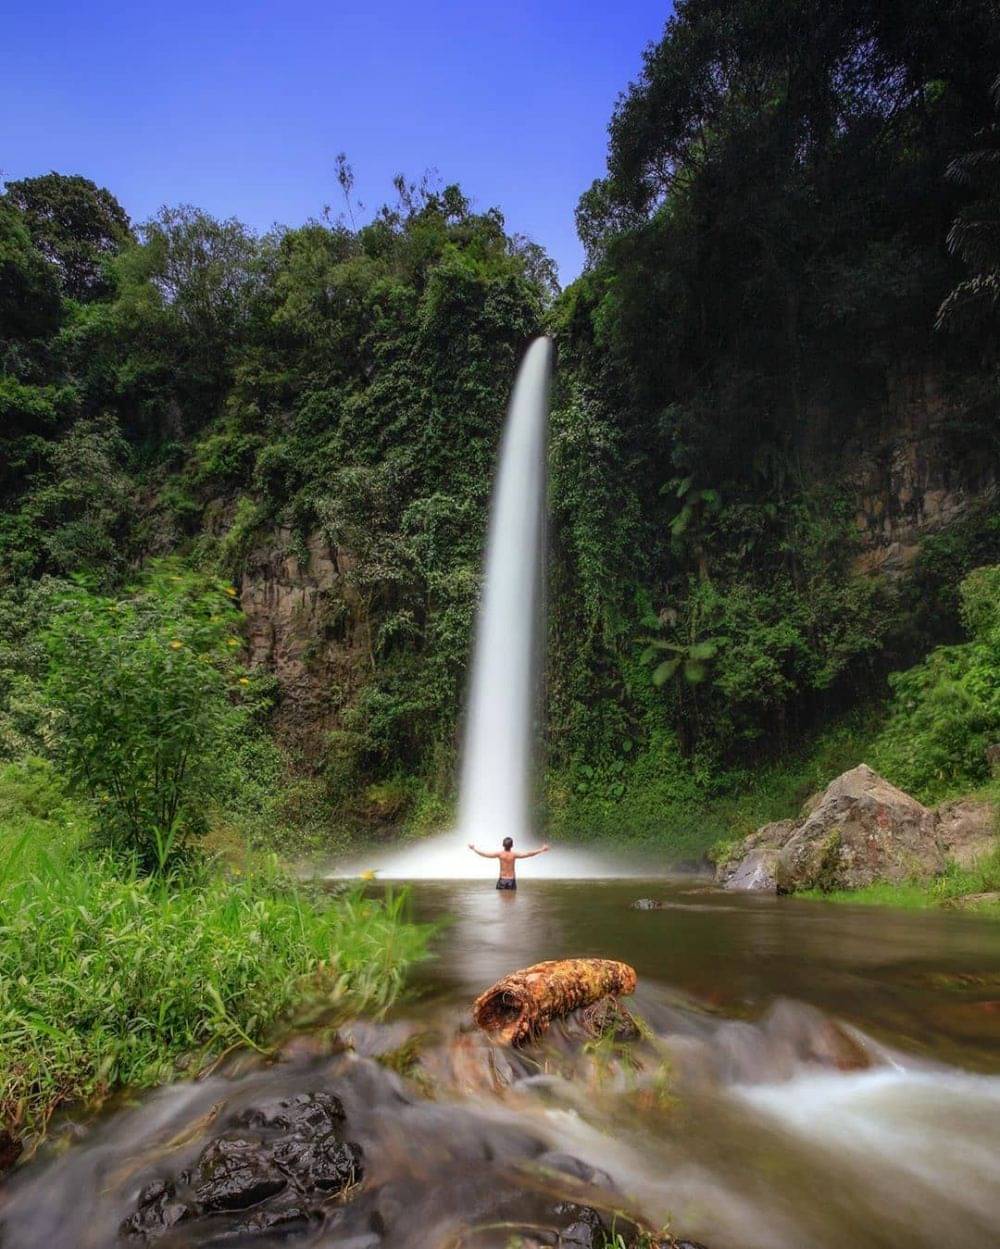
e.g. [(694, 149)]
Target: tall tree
[(75, 224)]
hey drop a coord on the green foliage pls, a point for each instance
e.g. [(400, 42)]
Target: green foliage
[(946, 710), (75, 224), (110, 980), (975, 234), (143, 686)]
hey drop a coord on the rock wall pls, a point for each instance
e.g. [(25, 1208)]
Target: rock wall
[(910, 477), (307, 625)]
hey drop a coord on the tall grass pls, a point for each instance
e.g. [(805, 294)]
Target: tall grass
[(109, 978)]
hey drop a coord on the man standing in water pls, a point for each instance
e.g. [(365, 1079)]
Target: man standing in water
[(507, 857)]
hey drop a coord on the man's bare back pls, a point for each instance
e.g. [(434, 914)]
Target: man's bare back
[(508, 857)]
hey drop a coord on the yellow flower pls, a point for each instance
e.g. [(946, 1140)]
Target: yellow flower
[(244, 680), (176, 645), (232, 641), (230, 591)]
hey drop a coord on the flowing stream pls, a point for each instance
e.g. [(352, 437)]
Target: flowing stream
[(815, 1077)]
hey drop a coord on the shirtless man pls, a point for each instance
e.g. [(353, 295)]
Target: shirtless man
[(508, 857)]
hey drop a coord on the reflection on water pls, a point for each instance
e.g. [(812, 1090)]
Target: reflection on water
[(926, 982), (749, 1117)]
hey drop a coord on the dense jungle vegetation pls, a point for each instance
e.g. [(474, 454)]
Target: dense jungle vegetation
[(798, 219)]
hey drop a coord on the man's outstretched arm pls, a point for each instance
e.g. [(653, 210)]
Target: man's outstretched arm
[(530, 854), (484, 854)]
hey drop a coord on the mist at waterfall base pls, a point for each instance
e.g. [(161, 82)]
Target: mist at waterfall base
[(499, 748)]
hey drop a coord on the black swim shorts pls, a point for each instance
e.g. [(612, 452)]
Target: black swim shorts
[(505, 883)]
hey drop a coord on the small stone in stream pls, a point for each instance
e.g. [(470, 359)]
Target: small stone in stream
[(158, 1211), (585, 1229), (647, 904)]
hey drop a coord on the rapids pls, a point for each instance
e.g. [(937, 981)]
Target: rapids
[(816, 1077)]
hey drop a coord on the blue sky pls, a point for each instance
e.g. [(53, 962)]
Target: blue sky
[(241, 108)]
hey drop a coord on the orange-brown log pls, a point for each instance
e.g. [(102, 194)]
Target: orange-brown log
[(522, 1005)]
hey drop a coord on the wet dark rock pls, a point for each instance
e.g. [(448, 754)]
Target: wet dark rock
[(577, 1169), (304, 1113), (583, 1227), (234, 1175), (326, 1165), (647, 904), (10, 1150), (158, 1211), (267, 1177)]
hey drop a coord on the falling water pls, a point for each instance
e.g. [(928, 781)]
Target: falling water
[(494, 799), (496, 780)]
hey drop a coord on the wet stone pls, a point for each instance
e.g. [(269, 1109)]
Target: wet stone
[(647, 904), (326, 1165), (234, 1175), (268, 1178), (310, 1113)]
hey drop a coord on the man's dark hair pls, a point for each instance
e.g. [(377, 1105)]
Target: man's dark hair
[(508, 842)]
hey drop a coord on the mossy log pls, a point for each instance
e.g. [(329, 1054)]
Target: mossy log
[(522, 1005)]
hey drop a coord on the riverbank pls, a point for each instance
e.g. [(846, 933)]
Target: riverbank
[(109, 979), (975, 889)]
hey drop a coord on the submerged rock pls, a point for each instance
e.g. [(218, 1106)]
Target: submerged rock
[(859, 830)]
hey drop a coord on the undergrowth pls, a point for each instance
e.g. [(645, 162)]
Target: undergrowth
[(113, 979)]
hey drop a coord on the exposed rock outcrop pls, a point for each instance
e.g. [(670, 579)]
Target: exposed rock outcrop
[(967, 829), (307, 625), (861, 829)]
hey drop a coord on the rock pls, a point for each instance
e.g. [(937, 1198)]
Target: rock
[(10, 1150), (577, 1169), (647, 904), (234, 1175), (268, 1175), (752, 865), (967, 829), (757, 872), (861, 830)]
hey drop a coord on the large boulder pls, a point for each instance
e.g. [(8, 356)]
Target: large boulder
[(967, 830), (859, 830)]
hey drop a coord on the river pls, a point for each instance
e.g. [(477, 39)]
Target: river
[(815, 1077)]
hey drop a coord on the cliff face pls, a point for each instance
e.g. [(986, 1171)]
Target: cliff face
[(906, 471), (911, 475), (305, 624)]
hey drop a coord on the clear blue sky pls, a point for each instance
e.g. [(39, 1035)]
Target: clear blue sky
[(241, 108)]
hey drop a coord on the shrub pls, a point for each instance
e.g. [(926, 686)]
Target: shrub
[(143, 685), (946, 710)]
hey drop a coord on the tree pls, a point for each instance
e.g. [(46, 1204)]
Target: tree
[(975, 232), (29, 285), (76, 225), (143, 685)]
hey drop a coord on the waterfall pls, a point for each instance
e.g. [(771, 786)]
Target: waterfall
[(499, 746), (495, 793)]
